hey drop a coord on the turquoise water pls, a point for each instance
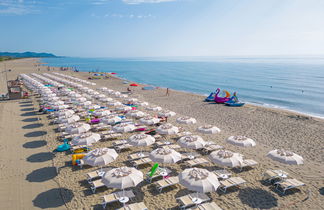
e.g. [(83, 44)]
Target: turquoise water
[(291, 83)]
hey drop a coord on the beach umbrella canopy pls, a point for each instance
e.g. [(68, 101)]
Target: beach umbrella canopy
[(165, 155), (100, 96), (141, 103), (93, 106), (123, 128), (208, 129), (149, 120), (84, 104), (287, 157), (56, 103), (86, 139), (122, 96), (59, 107), (123, 108), (134, 85), (78, 128), (186, 120), (101, 112), (131, 100), (192, 142), (241, 141), (166, 113), (167, 129), (70, 119), (154, 108), (199, 180), (122, 178), (116, 93), (226, 158), (64, 113), (100, 157), (81, 99), (105, 99), (114, 103), (111, 119), (135, 114), (51, 99), (141, 140), (102, 89), (109, 91)]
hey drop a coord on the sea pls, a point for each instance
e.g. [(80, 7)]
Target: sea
[(290, 83)]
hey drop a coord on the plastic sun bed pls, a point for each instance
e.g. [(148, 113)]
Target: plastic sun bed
[(248, 163), (186, 201), (196, 161), (121, 147), (167, 183), (270, 175), (157, 174), (172, 146), (96, 174), (141, 161), (114, 197), (231, 182), (135, 206), (96, 184), (111, 136), (288, 184), (207, 206), (211, 147), (222, 174), (138, 155)]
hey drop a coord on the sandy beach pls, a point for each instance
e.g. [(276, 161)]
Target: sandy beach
[(34, 176)]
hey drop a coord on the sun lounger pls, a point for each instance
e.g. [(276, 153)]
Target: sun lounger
[(222, 174), (196, 161), (167, 183), (187, 200), (141, 161), (96, 174), (211, 147), (111, 136), (185, 133), (189, 155), (96, 184), (138, 155), (114, 197), (270, 175), (162, 143), (121, 147), (206, 206), (172, 146), (231, 182), (135, 206), (106, 132), (157, 174), (248, 163), (288, 184), (119, 142)]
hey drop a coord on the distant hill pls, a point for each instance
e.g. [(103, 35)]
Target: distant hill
[(27, 55)]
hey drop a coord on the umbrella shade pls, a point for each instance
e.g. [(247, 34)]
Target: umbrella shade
[(199, 180), (186, 120), (116, 93), (122, 178), (123, 108), (154, 108), (123, 128), (93, 106), (81, 99), (105, 99), (111, 119), (141, 140), (102, 89), (134, 85), (114, 103), (208, 129), (165, 155), (64, 113), (101, 113), (166, 113), (100, 157), (131, 100), (141, 103), (167, 129), (59, 107), (55, 103), (241, 141), (149, 120), (78, 128), (192, 142), (71, 119), (100, 96), (226, 158), (52, 98), (86, 139), (86, 103), (122, 96), (287, 157), (135, 114)]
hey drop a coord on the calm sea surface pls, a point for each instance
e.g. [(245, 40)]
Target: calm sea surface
[(292, 83)]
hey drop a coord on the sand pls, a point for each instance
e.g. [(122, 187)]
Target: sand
[(271, 128)]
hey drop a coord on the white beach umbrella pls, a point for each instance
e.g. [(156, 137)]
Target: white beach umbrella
[(123, 108), (123, 128), (208, 129), (241, 141), (135, 114), (186, 120), (86, 139), (81, 99), (287, 157), (70, 119), (105, 99), (226, 158), (78, 128), (93, 106), (131, 100), (84, 104), (165, 155), (64, 112), (109, 91), (114, 103), (100, 157), (199, 180), (192, 142), (166, 113), (116, 93), (122, 96), (59, 107), (154, 108), (101, 112), (167, 129), (149, 120), (51, 99), (100, 96), (111, 119), (142, 140), (141, 103), (56, 103), (103, 89)]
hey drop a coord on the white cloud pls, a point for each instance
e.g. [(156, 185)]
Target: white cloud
[(15, 7), (145, 1)]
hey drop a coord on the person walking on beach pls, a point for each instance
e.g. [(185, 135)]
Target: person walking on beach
[(167, 92)]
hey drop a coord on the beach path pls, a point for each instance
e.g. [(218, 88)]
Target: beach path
[(26, 172)]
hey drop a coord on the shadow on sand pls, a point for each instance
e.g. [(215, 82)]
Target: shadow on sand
[(53, 198), (28, 114), (40, 157), (258, 198), (35, 144), (31, 126), (42, 174), (321, 191), (27, 109), (25, 105), (32, 119), (35, 134)]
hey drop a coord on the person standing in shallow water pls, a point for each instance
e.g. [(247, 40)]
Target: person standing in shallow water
[(167, 92)]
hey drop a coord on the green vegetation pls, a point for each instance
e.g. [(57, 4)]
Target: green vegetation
[(5, 58)]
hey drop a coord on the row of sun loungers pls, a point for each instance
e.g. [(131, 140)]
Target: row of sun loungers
[(187, 200), (114, 197)]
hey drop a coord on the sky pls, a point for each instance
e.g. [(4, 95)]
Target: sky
[(153, 28)]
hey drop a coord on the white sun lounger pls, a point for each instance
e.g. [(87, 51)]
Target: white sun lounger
[(167, 183), (207, 206), (196, 161), (271, 174), (187, 200), (288, 184), (96, 174), (114, 197), (248, 163), (141, 161), (134, 206), (96, 184), (231, 182)]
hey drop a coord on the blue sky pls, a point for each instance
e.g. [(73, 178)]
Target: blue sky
[(134, 28)]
